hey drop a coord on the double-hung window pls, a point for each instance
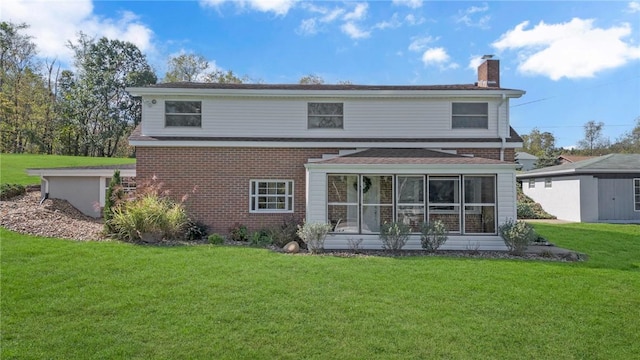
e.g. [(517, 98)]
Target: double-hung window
[(183, 113), (636, 194), (321, 115), (469, 115), (271, 196)]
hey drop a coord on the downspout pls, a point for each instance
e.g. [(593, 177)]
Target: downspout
[(501, 133), (45, 196)]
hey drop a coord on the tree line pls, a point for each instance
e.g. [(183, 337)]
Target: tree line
[(86, 111), (593, 143)]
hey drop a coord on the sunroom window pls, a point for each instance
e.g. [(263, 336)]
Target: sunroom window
[(360, 203)]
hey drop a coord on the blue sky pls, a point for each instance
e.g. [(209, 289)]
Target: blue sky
[(577, 60)]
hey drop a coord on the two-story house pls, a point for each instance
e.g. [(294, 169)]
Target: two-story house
[(350, 155)]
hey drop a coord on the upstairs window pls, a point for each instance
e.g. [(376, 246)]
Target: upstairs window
[(532, 183), (547, 182), (183, 113), (325, 115), (470, 115)]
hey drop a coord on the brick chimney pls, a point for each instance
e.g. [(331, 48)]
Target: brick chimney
[(489, 72)]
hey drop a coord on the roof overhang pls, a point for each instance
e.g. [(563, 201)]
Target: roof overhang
[(81, 172), (571, 172), (316, 93)]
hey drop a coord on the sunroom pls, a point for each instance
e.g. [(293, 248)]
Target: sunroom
[(359, 192)]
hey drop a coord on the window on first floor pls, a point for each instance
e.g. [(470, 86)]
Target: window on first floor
[(361, 203), (271, 196), (636, 194)]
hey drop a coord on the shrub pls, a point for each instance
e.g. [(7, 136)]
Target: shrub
[(517, 236), (113, 198), (195, 230), (238, 232), (8, 191), (261, 238), (150, 215), (216, 239), (394, 235), (314, 235), (286, 232), (354, 244), (434, 234)]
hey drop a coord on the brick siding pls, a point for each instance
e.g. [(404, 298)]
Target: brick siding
[(217, 179)]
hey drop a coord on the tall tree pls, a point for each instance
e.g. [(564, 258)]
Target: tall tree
[(95, 104), (538, 143), (186, 67), (593, 141), (629, 142)]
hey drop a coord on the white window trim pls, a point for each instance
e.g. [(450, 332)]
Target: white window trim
[(636, 185), (451, 115), (165, 113), (532, 183), (336, 116), (253, 197), (344, 203), (480, 205)]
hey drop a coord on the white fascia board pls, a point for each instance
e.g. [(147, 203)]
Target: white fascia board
[(412, 168), (80, 172), (143, 91), (297, 144)]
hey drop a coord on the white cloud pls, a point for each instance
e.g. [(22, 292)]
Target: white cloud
[(278, 7), (308, 27), (412, 20), (392, 23), (438, 57), (633, 7), (354, 31), (574, 49), (53, 26), (358, 13), (468, 18), (420, 43), (414, 4), (474, 62)]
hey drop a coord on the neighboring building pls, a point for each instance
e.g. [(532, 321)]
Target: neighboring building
[(526, 160), (84, 187), (350, 155), (600, 189), (569, 159)]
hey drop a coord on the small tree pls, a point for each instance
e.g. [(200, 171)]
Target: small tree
[(394, 235), (434, 235), (314, 235), (112, 199)]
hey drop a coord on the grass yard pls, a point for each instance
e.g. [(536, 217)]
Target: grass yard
[(73, 300), (13, 166)]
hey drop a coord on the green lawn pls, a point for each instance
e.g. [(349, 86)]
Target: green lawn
[(74, 300), (12, 166)]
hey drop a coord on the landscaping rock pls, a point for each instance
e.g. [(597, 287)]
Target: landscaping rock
[(291, 248)]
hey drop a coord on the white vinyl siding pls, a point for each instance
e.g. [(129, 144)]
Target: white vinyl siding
[(283, 117)]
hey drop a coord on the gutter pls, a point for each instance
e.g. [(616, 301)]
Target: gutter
[(500, 133)]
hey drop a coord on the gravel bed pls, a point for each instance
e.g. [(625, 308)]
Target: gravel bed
[(54, 218)]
